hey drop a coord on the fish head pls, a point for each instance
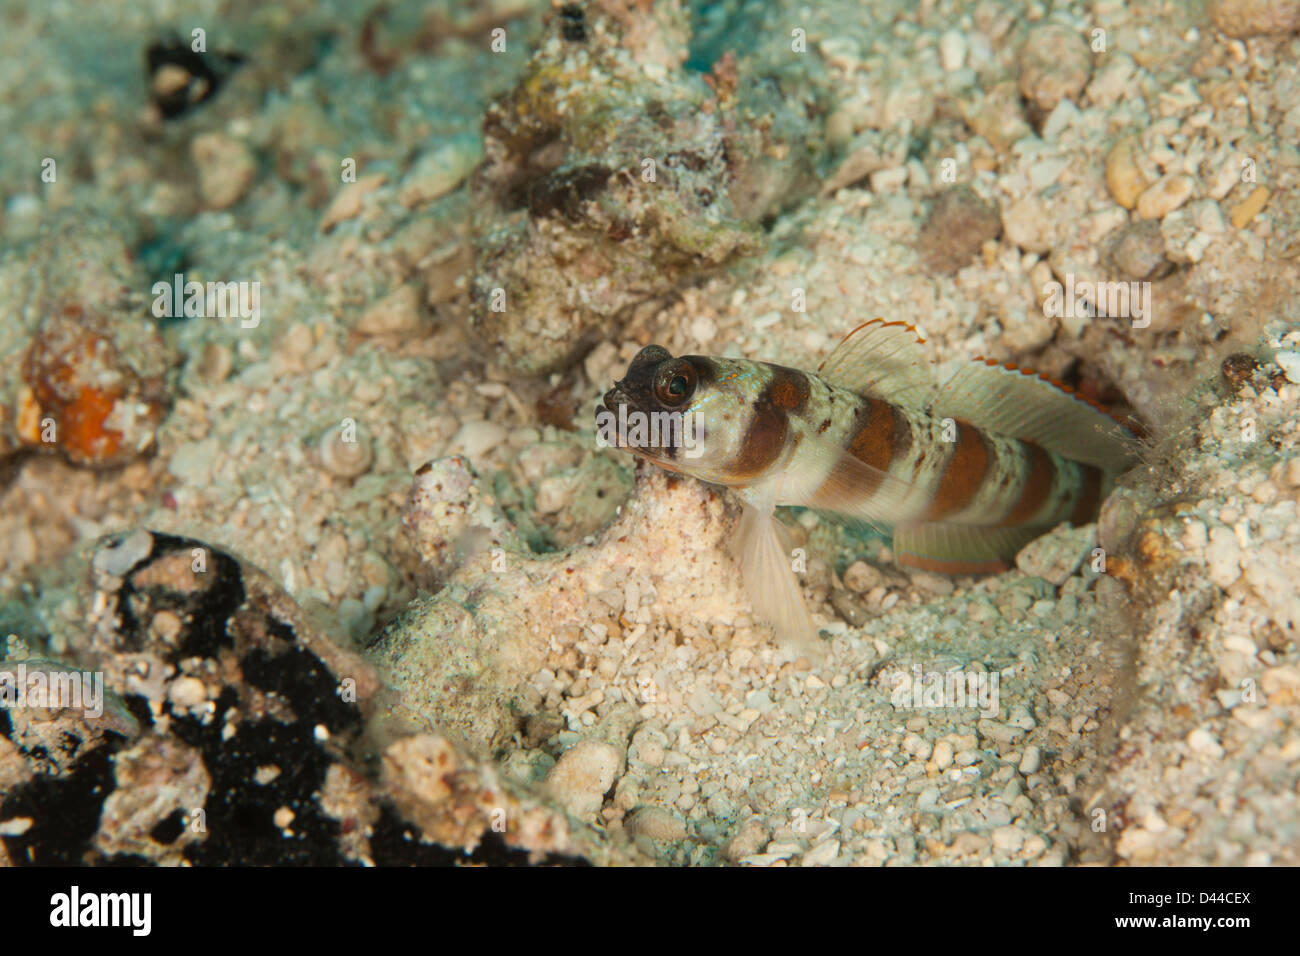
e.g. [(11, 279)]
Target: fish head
[(661, 411)]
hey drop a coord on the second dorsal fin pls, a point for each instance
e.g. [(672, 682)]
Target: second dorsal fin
[(1018, 403), (885, 360)]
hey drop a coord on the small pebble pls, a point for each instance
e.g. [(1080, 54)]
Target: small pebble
[(1008, 839), (1250, 18), (1056, 556), (823, 854), (350, 200), (476, 439), (120, 555), (1030, 225), (1124, 177), (1201, 741), (1054, 63), (1243, 212), (1289, 362), (746, 841), (582, 775), (394, 314), (226, 169), (656, 823), (1166, 195), (187, 692), (1138, 251), (957, 226), (436, 173), (952, 51), (942, 755), (1031, 760), (860, 577), (998, 732)]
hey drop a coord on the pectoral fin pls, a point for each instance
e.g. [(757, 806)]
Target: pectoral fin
[(770, 581)]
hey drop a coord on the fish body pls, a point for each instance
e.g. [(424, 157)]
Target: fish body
[(963, 475)]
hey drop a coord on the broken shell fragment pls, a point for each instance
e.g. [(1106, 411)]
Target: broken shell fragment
[(344, 450)]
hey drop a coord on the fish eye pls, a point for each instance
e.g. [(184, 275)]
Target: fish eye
[(675, 384)]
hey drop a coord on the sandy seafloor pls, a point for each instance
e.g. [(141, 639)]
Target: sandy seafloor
[(366, 591)]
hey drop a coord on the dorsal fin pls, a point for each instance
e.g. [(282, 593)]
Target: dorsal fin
[(1018, 403), (885, 360)]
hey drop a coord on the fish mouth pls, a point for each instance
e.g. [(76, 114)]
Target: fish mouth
[(616, 400), (633, 395), (612, 401), (635, 388)]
